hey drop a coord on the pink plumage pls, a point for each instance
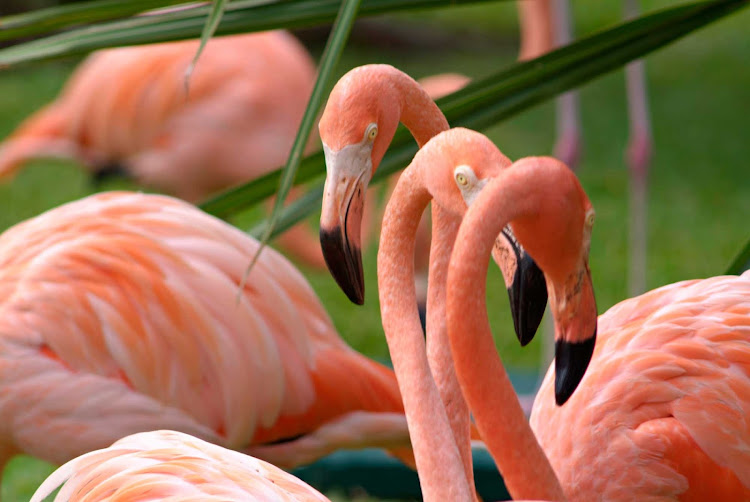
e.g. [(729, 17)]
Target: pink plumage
[(122, 312), (172, 466), (662, 412), (129, 107)]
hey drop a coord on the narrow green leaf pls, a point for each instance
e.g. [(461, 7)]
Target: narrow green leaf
[(214, 18), (55, 18), (334, 47), (739, 265), (241, 16), (293, 213), (498, 97)]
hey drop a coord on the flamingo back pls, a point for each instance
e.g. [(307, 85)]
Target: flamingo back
[(172, 466), (662, 412), (130, 106), (124, 311)]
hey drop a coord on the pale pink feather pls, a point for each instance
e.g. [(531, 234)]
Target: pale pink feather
[(122, 313), (172, 466)]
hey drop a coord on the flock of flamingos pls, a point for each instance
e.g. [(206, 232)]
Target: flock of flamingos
[(122, 323)]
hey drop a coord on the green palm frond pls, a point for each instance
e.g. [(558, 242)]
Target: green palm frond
[(240, 16), (335, 46)]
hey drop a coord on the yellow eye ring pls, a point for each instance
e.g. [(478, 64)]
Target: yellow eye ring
[(461, 179), (590, 217), (372, 133)]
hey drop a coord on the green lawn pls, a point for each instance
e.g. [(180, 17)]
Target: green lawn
[(699, 197)]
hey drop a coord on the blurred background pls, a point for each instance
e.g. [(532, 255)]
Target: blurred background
[(699, 183)]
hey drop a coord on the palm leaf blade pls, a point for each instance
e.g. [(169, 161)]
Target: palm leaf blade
[(239, 17), (334, 47)]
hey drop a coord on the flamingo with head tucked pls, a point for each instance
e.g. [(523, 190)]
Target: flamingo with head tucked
[(172, 466), (123, 312)]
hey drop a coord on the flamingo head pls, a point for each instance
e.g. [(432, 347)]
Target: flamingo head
[(464, 173), (356, 127), (557, 234)]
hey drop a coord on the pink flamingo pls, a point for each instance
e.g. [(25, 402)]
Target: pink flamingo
[(660, 412), (122, 312), (168, 465), (437, 434), (356, 128), (127, 108)]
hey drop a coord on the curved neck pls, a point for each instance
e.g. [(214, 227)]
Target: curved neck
[(441, 473), (485, 384), (419, 113), (444, 231)]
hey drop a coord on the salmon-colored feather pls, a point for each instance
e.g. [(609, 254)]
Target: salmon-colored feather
[(663, 408), (171, 466), (122, 312)]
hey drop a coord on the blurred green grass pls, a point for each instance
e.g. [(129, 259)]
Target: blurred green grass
[(699, 195)]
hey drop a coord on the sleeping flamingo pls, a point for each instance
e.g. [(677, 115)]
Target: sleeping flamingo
[(660, 414), (356, 128), (171, 466), (436, 433), (128, 109), (122, 312)]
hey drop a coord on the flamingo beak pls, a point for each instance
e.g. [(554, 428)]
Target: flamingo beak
[(349, 171), (575, 346), (528, 297), (527, 287)]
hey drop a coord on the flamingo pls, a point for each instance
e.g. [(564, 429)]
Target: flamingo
[(128, 109), (660, 413), (123, 312), (171, 466), (357, 126), (437, 437)]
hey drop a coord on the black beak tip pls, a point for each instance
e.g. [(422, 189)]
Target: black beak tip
[(571, 361), (107, 172), (528, 298), (345, 264), (422, 310)]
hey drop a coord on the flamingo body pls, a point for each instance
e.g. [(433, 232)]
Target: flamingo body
[(663, 408), (128, 108), (123, 312), (172, 466)]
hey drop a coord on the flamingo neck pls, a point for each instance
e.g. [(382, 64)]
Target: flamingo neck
[(525, 468), (441, 471), (419, 113), (444, 231)]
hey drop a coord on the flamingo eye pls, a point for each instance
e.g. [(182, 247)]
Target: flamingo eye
[(590, 217), (461, 179), (372, 132)]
